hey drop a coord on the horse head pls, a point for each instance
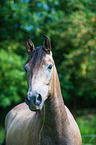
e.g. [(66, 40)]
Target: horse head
[(39, 70)]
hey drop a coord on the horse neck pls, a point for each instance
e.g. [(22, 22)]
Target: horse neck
[(55, 113)]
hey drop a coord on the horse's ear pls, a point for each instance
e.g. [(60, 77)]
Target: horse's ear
[(29, 45), (47, 44)]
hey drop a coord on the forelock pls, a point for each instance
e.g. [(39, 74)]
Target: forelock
[(36, 57)]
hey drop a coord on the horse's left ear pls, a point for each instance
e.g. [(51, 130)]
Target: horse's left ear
[(47, 44), (29, 45)]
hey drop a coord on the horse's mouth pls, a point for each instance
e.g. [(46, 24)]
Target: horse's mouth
[(34, 108)]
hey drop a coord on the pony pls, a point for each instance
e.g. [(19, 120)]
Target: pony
[(43, 119)]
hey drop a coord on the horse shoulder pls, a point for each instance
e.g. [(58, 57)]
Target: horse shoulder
[(17, 123), (14, 112)]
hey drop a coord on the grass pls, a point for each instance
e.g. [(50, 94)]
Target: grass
[(86, 123), (2, 134)]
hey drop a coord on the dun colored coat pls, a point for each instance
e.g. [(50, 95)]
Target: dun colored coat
[(48, 121)]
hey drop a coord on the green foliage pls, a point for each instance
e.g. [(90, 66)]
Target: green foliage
[(79, 63), (71, 26), (12, 82)]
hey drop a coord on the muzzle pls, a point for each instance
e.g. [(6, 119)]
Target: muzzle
[(34, 101)]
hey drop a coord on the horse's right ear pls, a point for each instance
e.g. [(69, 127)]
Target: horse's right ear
[(29, 45)]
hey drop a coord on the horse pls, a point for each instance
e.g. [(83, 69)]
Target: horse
[(43, 119)]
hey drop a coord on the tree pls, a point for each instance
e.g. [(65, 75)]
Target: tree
[(71, 26)]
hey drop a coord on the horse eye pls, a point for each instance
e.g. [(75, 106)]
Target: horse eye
[(50, 67)]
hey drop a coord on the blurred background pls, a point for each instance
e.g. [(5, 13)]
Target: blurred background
[(71, 27)]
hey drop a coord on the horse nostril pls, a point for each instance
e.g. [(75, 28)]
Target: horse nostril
[(38, 100)]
